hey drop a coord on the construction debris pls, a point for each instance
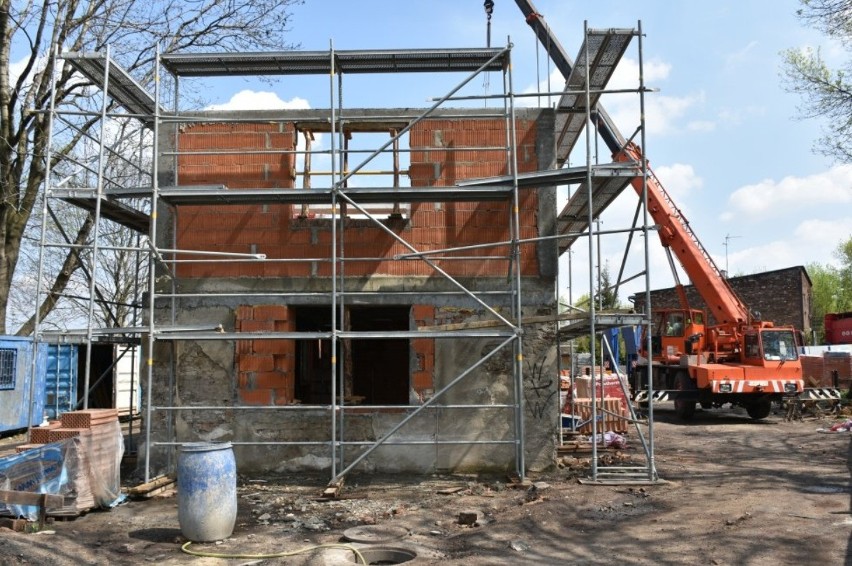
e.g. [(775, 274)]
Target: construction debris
[(155, 487), (845, 426)]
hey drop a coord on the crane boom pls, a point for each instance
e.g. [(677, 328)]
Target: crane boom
[(675, 232), (677, 235), (738, 361)]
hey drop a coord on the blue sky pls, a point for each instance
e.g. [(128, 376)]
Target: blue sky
[(723, 135)]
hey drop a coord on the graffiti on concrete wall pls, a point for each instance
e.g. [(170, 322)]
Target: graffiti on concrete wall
[(538, 389)]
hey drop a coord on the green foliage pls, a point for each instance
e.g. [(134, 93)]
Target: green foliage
[(606, 298), (607, 293), (826, 93), (832, 288), (844, 254)]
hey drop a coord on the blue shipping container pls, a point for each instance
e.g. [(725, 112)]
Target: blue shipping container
[(60, 395), (16, 377)]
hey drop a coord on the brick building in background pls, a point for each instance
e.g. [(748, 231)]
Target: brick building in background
[(782, 296), (289, 291)]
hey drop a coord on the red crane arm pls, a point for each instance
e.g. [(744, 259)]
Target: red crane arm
[(676, 234)]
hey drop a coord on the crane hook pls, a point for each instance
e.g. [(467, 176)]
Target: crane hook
[(489, 9)]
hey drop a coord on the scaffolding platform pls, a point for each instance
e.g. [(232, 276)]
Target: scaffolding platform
[(111, 209), (598, 57), (331, 62), (123, 88)]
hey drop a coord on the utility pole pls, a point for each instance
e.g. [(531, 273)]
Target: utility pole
[(728, 238)]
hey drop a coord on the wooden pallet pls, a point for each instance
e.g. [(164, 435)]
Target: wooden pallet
[(44, 501)]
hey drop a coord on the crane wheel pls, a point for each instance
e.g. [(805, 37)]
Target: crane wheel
[(686, 396), (759, 409)]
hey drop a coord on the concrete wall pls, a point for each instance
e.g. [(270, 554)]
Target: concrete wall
[(260, 374)]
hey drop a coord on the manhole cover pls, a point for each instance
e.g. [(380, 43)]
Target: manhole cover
[(381, 555), (375, 534)]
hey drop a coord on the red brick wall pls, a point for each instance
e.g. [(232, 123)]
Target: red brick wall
[(423, 374), (272, 230), (460, 223), (234, 228), (265, 368), (818, 370)]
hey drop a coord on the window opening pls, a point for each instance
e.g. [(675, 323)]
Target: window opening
[(376, 370), (674, 324), (388, 169), (8, 367), (779, 345)]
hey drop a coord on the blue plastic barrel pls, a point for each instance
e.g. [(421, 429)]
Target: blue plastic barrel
[(207, 491)]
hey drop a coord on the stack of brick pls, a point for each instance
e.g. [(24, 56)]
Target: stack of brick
[(611, 415), (94, 466), (39, 435), (611, 384)]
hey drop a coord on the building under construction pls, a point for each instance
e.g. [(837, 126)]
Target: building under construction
[(321, 322)]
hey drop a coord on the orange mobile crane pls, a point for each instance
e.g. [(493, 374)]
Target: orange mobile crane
[(739, 359)]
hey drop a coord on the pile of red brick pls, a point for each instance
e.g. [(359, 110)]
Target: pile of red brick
[(612, 416), (70, 425), (94, 456)]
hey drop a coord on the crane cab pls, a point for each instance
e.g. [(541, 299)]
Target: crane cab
[(675, 332), (768, 346)]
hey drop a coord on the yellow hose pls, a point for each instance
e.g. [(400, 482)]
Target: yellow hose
[(359, 557)]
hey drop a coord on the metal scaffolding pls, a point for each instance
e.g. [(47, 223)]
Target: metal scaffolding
[(117, 201), (106, 201), (586, 80)]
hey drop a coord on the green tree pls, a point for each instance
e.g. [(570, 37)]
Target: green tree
[(31, 33), (826, 93), (832, 288), (606, 298), (607, 292), (844, 255), (826, 283)]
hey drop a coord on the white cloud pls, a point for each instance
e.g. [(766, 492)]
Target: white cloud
[(260, 100), (626, 74), (826, 234), (813, 240), (679, 180), (832, 187), (663, 114)]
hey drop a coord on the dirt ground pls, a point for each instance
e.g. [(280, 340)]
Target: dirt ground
[(735, 492)]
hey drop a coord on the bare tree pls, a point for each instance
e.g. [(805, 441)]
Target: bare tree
[(826, 92), (30, 35)]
